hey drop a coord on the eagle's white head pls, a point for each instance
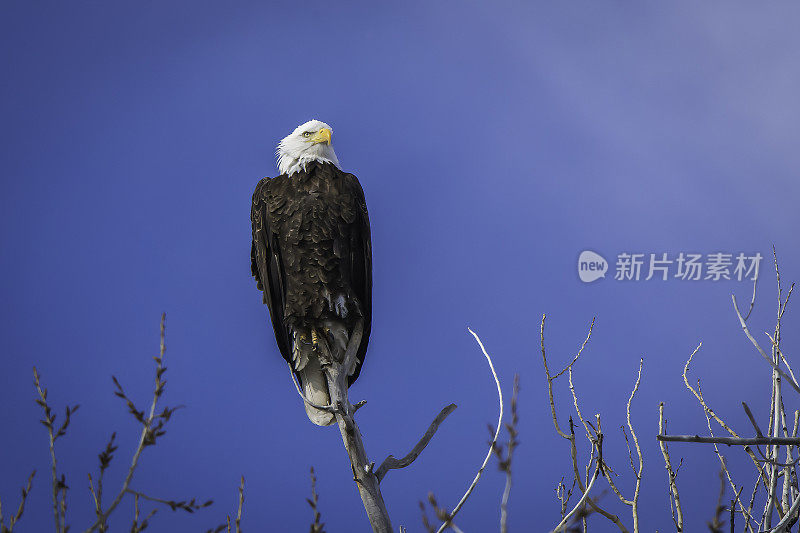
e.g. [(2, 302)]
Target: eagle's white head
[(308, 142)]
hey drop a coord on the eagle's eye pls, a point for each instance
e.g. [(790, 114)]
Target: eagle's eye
[(306, 134)]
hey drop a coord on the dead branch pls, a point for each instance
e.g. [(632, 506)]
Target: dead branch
[(672, 474), (599, 461), (724, 468), (773, 364), (448, 521), (752, 419), (785, 500), (790, 515), (391, 463), (638, 473), (711, 412), (563, 494), (731, 441), (336, 374), (571, 436)]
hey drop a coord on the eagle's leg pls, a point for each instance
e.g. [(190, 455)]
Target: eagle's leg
[(337, 337), (321, 347)]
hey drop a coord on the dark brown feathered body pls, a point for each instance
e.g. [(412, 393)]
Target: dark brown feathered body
[(311, 255)]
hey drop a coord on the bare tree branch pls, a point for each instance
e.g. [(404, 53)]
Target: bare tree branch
[(59, 508), (787, 518), (774, 365), (391, 463), (336, 374), (711, 412), (238, 519), (731, 441), (724, 469), (316, 526), (565, 521), (505, 463), (15, 518), (752, 419), (146, 435), (571, 437), (460, 504), (638, 473), (672, 474)]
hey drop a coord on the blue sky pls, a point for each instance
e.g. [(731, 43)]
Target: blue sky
[(494, 143)]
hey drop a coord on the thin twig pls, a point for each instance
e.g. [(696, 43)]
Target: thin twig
[(105, 458), (753, 499), (505, 464), (474, 483), (712, 412), (752, 419), (561, 525), (780, 353), (715, 525), (316, 525), (137, 527), (15, 518), (188, 506), (672, 474), (571, 437), (146, 436), (580, 350), (724, 466), (241, 504), (564, 495), (638, 474), (774, 365), (59, 486), (752, 299), (550, 378)]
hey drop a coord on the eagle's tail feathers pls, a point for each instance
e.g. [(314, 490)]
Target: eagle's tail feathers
[(315, 389)]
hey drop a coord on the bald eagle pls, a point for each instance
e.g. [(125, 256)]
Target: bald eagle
[(311, 256)]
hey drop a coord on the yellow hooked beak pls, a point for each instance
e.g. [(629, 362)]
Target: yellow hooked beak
[(322, 136)]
